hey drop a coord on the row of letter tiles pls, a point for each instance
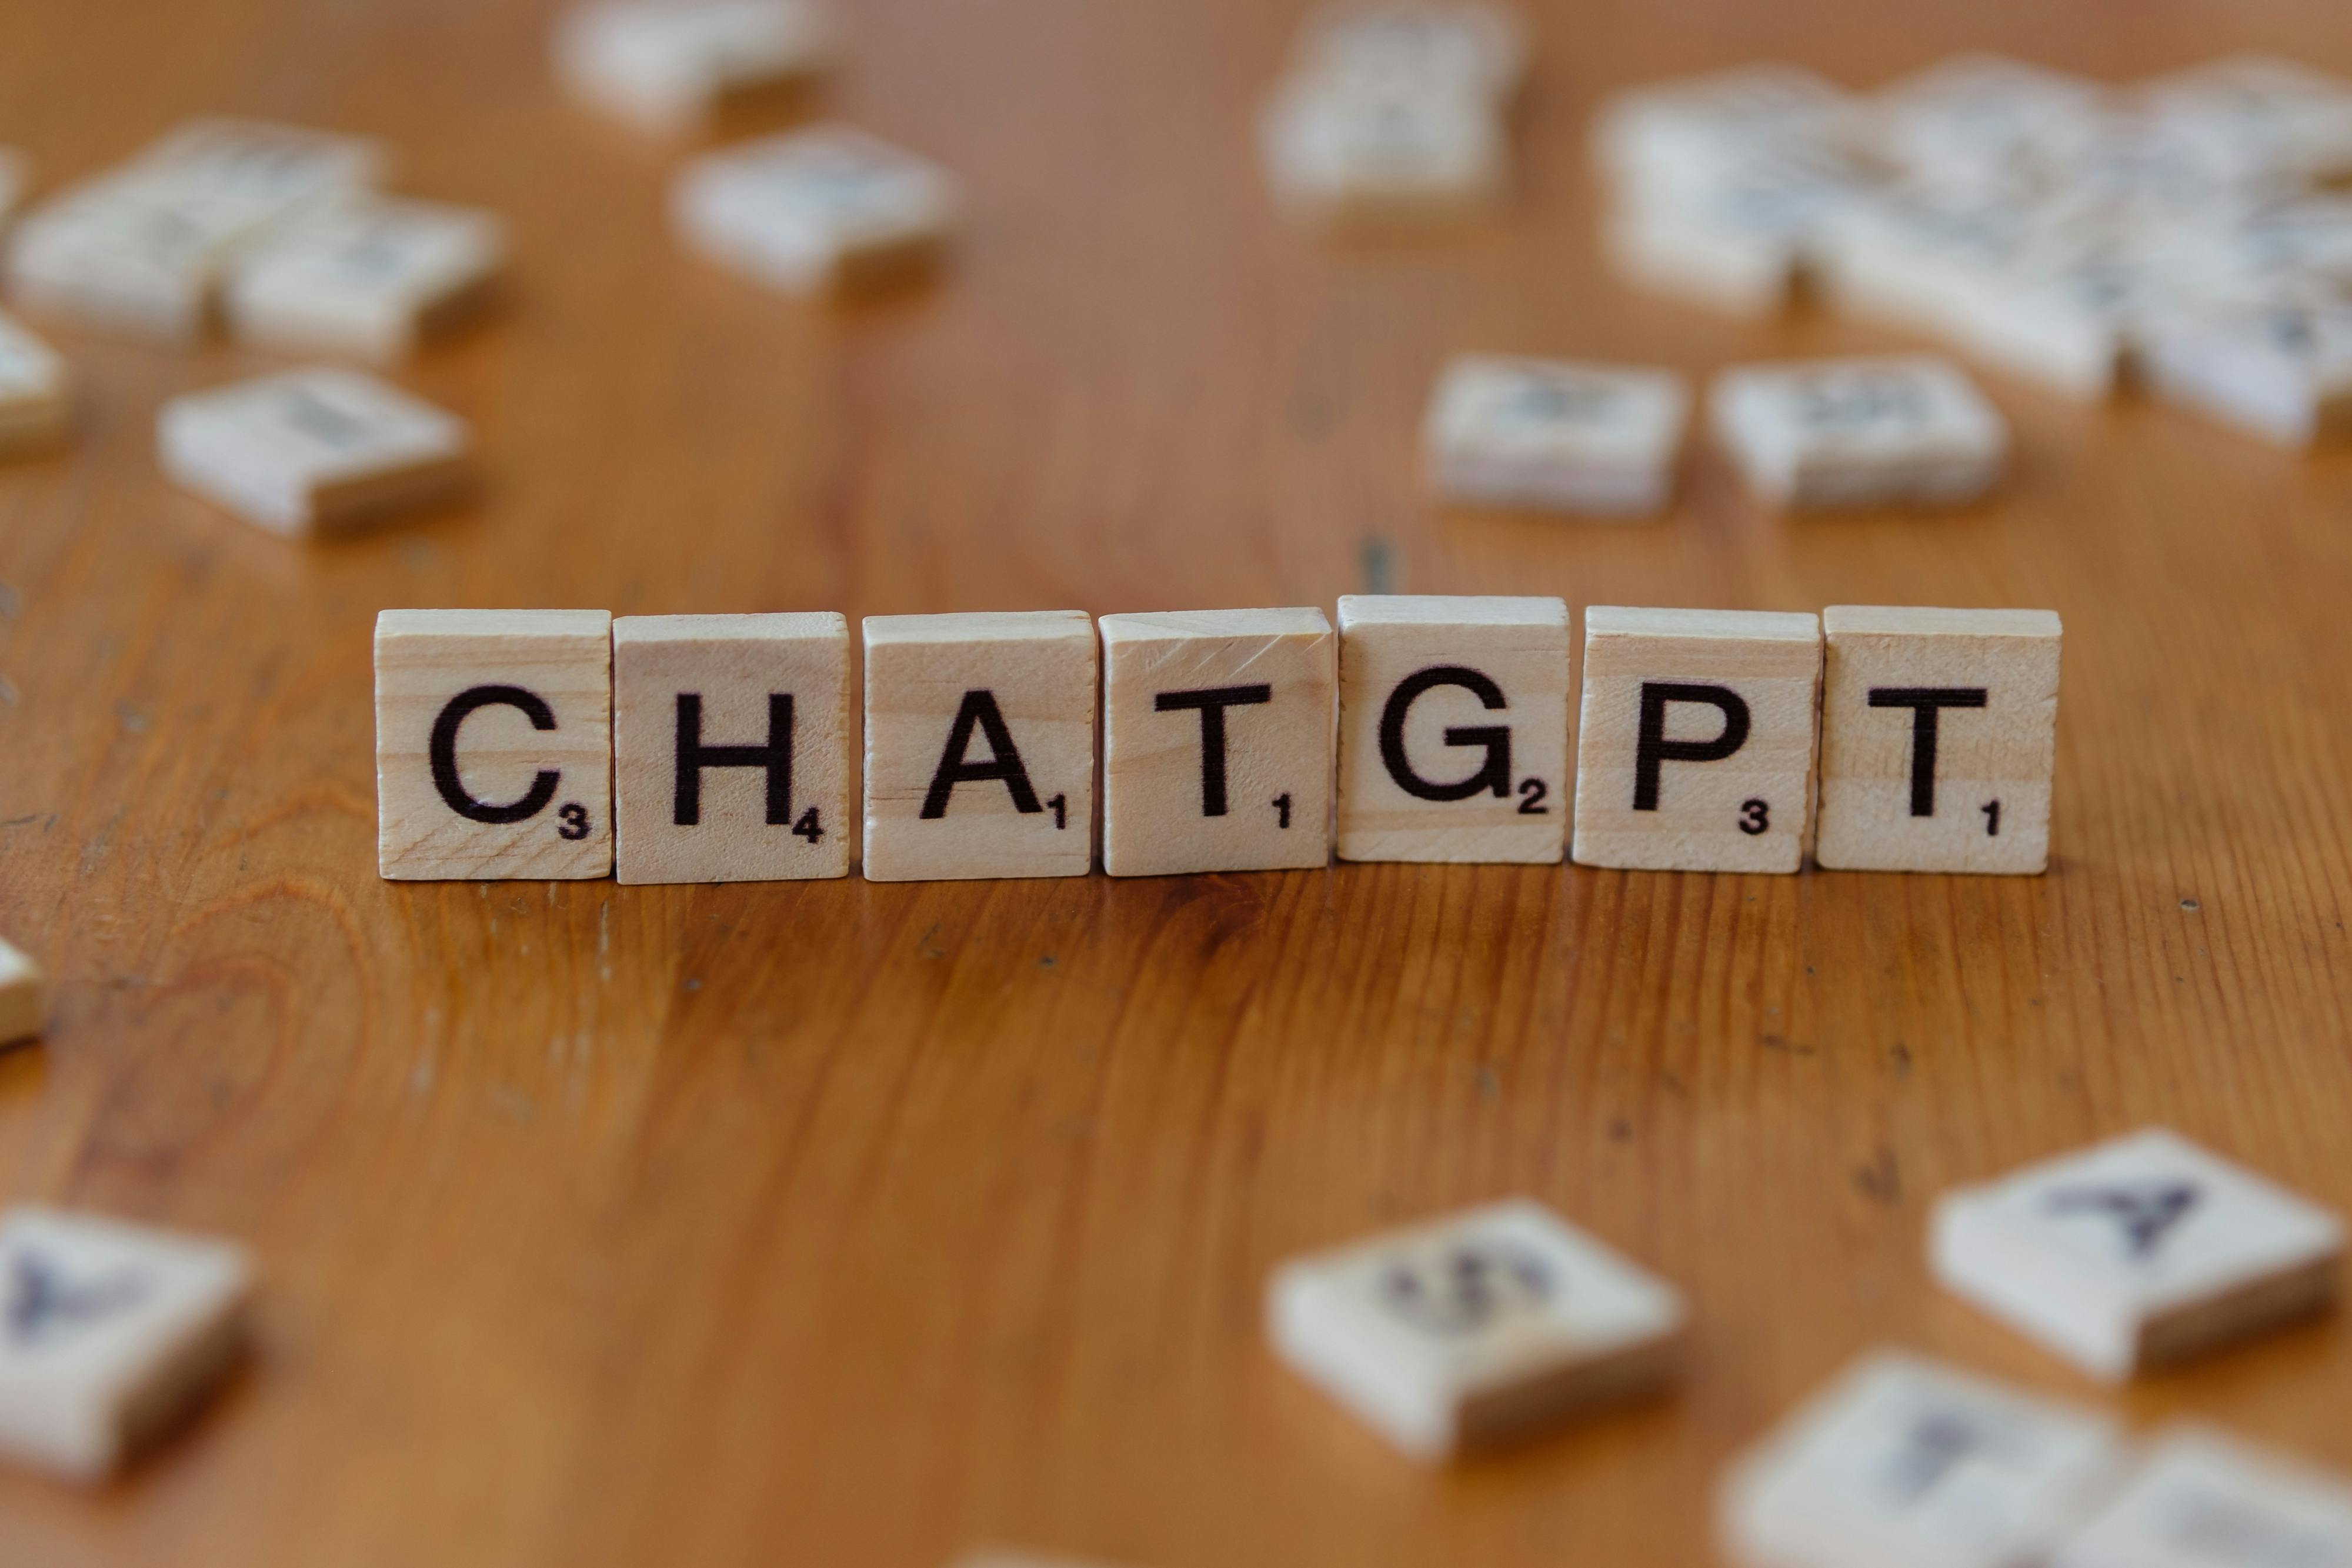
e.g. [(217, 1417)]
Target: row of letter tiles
[(1426, 728)]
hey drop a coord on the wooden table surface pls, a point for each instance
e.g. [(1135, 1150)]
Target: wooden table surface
[(843, 1224)]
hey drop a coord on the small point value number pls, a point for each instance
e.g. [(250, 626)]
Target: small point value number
[(571, 821), (1755, 816)]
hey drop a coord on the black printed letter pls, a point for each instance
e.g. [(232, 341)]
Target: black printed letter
[(444, 754), (1653, 747), (1004, 763), (1495, 775), (693, 756), (1924, 702), (1213, 703)]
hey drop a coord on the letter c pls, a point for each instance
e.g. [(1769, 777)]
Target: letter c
[(444, 754)]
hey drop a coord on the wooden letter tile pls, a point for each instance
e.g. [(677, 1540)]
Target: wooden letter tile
[(1466, 48), (730, 748), (312, 449), (980, 745), (2143, 1250), (1452, 728), (1475, 1328), (24, 999), (828, 209), (1859, 432), (1347, 152), (1694, 747), (682, 67), (374, 280), (109, 1333), (1904, 1461), (2203, 1500), (493, 744), (35, 403), (1217, 736), (1554, 434), (2281, 369), (1938, 739)]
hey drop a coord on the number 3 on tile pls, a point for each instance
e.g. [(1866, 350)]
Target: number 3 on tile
[(1755, 816)]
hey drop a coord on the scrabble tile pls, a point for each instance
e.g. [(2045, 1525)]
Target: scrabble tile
[(1914, 256), (374, 280), (144, 247), (1859, 432), (732, 748), (1979, 117), (2143, 1250), (1938, 739), (1452, 728), (1425, 45), (1674, 137), (36, 401), (24, 996), (1478, 1327), (493, 744), (2260, 114), (689, 66), (2204, 1500), (2281, 369), (1555, 435), (980, 745), (1694, 744), (309, 450), (2064, 317), (109, 1333), (1347, 153), (1217, 737), (829, 209), (1901, 1460), (1746, 241)]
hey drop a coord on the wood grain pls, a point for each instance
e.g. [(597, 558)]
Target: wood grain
[(845, 1223)]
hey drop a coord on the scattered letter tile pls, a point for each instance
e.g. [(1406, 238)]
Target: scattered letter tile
[(1694, 745), (2142, 1250), (35, 402), (1461, 46), (980, 745), (2281, 369), (1554, 434), (732, 748), (1347, 152), (493, 744), (1904, 1461), (1475, 1328), (1859, 432), (1217, 741), (689, 66), (312, 449), (373, 280), (825, 210), (109, 1332), (1938, 739), (24, 998), (1452, 728), (2202, 1501)]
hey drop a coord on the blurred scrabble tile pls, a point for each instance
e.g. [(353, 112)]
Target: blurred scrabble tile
[(732, 748), (110, 1333), (1938, 739), (2260, 114), (36, 398), (1555, 435), (143, 247), (1911, 255), (829, 209), (980, 745), (1351, 155), (1901, 1460), (1746, 241), (1671, 139), (494, 744), (374, 280), (1694, 743), (24, 996), (689, 66), (2143, 1250), (1463, 46), (1473, 1328), (2205, 1500), (1452, 728), (2281, 369), (1859, 432), (1979, 117), (1217, 738), (315, 449)]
